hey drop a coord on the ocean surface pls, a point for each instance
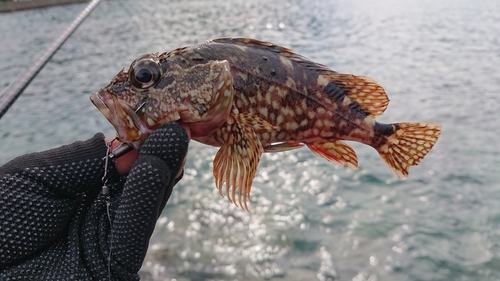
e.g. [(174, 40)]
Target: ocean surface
[(309, 219)]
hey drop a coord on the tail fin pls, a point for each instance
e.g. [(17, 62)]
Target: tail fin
[(408, 145)]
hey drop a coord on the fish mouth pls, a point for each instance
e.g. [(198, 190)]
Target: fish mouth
[(129, 127)]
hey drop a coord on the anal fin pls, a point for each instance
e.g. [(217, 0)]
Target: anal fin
[(336, 152)]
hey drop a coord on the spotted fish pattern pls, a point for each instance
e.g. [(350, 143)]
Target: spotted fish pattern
[(248, 97)]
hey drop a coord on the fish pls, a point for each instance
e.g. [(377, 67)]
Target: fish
[(249, 97)]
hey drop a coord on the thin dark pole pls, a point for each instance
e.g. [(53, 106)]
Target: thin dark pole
[(14, 90)]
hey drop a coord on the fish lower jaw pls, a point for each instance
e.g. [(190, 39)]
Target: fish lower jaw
[(110, 107), (135, 136)]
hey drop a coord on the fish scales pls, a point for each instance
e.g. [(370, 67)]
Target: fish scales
[(281, 87), (249, 97)]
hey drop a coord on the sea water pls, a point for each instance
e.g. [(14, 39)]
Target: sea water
[(309, 220)]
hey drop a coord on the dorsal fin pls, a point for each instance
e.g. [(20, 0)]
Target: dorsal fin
[(246, 42), (364, 91)]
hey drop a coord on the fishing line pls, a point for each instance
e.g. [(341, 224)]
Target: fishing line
[(14, 90), (105, 192)]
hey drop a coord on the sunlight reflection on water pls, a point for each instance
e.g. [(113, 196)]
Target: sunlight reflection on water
[(308, 220)]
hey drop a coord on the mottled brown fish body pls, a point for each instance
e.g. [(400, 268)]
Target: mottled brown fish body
[(249, 97), (287, 90)]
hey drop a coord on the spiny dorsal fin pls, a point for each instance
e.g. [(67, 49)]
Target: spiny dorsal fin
[(247, 42), (364, 91)]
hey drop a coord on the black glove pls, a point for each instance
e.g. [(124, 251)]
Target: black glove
[(54, 222)]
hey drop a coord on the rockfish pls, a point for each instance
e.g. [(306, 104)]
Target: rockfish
[(248, 97)]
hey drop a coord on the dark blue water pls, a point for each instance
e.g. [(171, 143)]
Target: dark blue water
[(309, 220)]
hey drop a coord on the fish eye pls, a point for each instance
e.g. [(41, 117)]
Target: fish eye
[(144, 73)]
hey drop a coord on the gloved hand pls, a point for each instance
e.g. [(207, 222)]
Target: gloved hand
[(54, 222)]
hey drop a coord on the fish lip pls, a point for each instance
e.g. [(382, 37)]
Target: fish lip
[(128, 126)]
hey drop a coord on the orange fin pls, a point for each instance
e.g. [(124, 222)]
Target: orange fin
[(336, 152), (235, 163), (364, 91), (283, 146), (408, 145)]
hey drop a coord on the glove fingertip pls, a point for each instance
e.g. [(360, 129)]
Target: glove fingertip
[(169, 143)]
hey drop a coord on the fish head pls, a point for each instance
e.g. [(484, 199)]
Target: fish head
[(156, 91)]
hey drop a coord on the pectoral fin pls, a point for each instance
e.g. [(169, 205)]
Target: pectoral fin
[(336, 152), (258, 124), (235, 163)]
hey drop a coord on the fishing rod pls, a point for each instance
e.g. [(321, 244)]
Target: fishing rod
[(14, 90)]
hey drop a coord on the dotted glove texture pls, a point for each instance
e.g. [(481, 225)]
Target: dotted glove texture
[(53, 219), (169, 143)]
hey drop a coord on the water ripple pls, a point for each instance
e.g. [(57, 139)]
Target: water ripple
[(308, 220)]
